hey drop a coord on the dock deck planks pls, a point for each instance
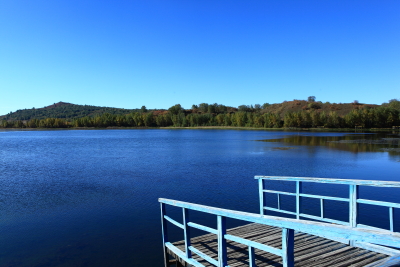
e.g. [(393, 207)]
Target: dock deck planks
[(309, 250)]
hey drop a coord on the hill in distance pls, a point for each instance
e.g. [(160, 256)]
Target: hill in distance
[(63, 110), (301, 105)]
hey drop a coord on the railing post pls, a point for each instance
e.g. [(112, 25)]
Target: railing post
[(252, 258), (222, 257), (186, 230), (261, 193), (353, 205), (164, 234), (279, 201), (298, 192), (391, 219), (287, 247), (353, 196), (321, 201)]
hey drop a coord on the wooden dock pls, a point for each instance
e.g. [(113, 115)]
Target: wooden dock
[(278, 241), (309, 250)]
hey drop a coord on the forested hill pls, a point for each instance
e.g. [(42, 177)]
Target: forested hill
[(296, 113), (63, 110)]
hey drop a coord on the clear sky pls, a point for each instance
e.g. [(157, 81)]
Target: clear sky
[(159, 53)]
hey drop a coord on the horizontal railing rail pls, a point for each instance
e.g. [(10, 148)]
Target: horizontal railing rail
[(363, 236), (332, 181)]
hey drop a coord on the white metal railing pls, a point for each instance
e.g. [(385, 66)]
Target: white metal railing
[(353, 198), (372, 237)]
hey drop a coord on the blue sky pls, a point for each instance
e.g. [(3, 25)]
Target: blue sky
[(159, 53)]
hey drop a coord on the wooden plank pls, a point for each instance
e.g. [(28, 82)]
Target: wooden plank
[(305, 246), (376, 248), (305, 238), (253, 244), (309, 250), (312, 252), (367, 261), (327, 257), (353, 259), (389, 262)]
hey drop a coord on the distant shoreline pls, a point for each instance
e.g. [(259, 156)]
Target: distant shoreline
[(290, 129)]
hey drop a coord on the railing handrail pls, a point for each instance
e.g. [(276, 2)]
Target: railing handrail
[(380, 237), (331, 181)]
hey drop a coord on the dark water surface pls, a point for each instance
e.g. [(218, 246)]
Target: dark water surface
[(89, 197)]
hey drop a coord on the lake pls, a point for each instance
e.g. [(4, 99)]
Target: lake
[(89, 197)]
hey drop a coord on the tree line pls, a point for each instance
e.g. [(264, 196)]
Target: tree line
[(63, 110), (384, 116)]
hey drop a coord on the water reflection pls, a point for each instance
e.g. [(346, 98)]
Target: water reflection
[(354, 143)]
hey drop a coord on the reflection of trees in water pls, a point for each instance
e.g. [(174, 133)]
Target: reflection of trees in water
[(351, 143)]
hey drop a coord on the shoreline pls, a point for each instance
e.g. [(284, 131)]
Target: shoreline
[(290, 129)]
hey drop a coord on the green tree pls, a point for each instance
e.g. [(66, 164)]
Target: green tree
[(265, 105), (203, 107), (244, 108), (311, 99), (149, 119), (176, 109)]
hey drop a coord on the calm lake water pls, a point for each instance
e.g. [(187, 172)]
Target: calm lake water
[(89, 197)]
